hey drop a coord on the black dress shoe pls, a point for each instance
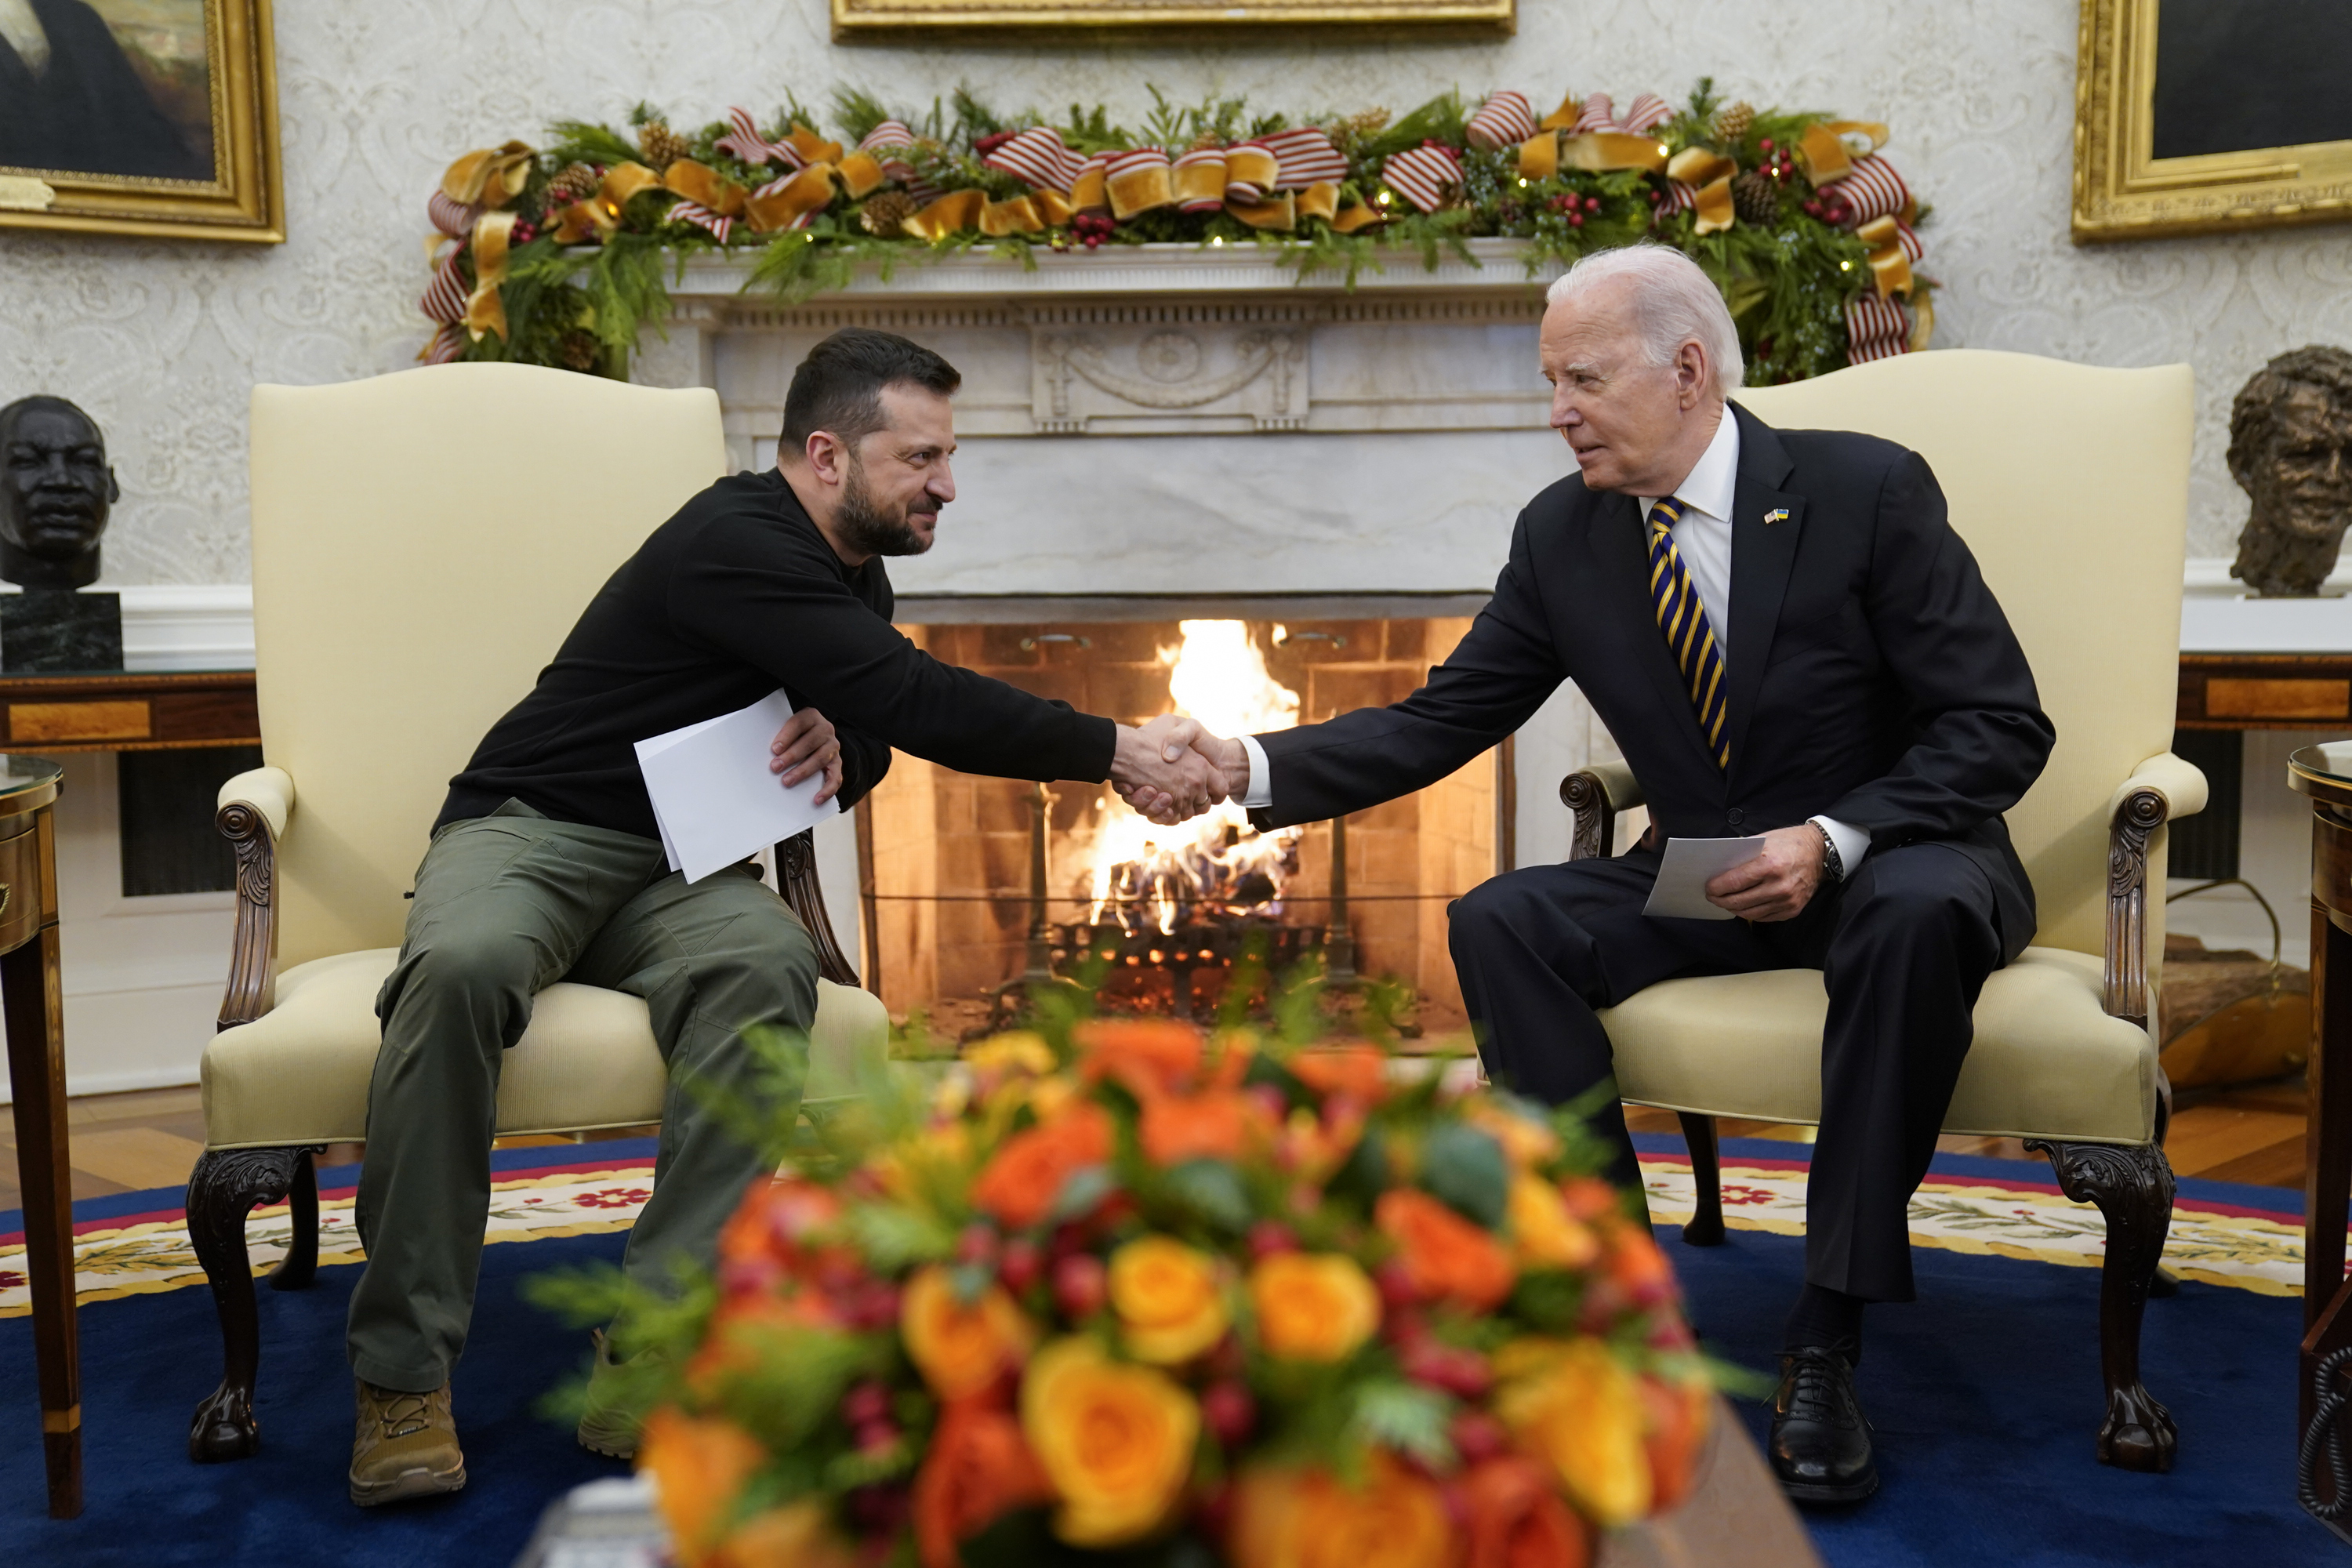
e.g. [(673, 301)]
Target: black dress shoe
[(1821, 1440)]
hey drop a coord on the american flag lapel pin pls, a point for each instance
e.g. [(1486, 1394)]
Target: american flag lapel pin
[(1777, 514)]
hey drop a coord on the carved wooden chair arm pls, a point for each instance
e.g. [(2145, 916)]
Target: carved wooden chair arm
[(1596, 794), (797, 875), (253, 809), (2161, 789)]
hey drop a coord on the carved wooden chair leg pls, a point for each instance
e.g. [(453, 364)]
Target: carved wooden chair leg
[(2133, 1187), (1705, 1228), (227, 1185), (300, 1267)]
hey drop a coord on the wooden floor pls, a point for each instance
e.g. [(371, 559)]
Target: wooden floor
[(127, 1142)]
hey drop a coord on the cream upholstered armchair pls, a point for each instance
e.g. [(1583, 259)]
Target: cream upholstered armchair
[(2070, 484), (420, 544)]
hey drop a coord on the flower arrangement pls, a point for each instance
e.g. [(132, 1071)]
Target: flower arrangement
[(557, 255), (1123, 1290)]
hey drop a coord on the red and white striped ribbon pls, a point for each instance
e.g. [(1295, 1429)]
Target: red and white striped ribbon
[(1506, 120), (1597, 114), (1872, 190), (1040, 156), (886, 139), (1423, 176), (448, 342), (453, 218), (1648, 113), (702, 217), (1305, 157), (1875, 329), (1681, 197), (1193, 160), (444, 297), (746, 142)]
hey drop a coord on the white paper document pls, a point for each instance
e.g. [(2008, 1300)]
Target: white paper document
[(1680, 892), (713, 795)]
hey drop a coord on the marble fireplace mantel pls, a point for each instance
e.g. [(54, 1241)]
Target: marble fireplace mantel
[(1175, 420)]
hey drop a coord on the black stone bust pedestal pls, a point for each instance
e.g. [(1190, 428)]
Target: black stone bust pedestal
[(54, 630)]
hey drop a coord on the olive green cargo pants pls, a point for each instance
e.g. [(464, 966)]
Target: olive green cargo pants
[(507, 905)]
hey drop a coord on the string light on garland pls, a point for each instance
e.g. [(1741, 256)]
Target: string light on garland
[(559, 255)]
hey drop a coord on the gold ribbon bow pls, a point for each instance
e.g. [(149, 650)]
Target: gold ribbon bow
[(1890, 265), (1709, 173), (1550, 150), (600, 214), (488, 177), (705, 186), (486, 311), (1821, 150), (791, 201)]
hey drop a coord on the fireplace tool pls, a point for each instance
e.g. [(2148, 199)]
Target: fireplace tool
[(1012, 998)]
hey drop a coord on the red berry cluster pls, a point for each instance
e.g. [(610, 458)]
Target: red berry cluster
[(1831, 206), (1777, 161), (982, 146), (1092, 229), (1575, 206)]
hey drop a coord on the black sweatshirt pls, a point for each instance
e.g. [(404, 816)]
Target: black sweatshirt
[(737, 594)]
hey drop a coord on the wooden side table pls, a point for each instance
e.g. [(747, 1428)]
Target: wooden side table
[(2324, 774), (32, 1001)]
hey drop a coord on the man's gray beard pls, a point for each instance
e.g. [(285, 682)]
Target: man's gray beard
[(865, 527)]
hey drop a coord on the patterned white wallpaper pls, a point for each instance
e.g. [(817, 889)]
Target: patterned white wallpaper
[(161, 341)]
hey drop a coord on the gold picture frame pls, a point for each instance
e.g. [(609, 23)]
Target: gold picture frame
[(208, 69), (878, 20), (2124, 190)]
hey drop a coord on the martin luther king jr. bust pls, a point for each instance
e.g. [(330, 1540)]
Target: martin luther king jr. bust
[(55, 491)]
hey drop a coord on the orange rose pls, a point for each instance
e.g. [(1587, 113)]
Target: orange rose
[(797, 1535), (1025, 1176), (1544, 1234), (1527, 1142), (1311, 1147), (773, 1219), (699, 1467), (1116, 1440), (960, 1348), (1516, 1520), (1575, 1407), (1313, 1306), (1167, 1296), (1445, 1255), (1215, 1125), (1679, 1414), (1305, 1518), (1148, 1055), (744, 1327), (979, 1467), (1359, 1072), (1638, 1267)]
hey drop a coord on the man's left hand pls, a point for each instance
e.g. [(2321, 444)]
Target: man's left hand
[(805, 747), (1779, 882)]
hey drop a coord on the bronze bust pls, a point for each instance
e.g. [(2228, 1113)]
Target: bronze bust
[(56, 491), (2289, 431)]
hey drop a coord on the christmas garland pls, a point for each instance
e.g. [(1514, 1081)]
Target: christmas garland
[(557, 255)]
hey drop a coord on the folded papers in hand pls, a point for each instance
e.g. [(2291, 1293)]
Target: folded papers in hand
[(713, 795), (1690, 864)]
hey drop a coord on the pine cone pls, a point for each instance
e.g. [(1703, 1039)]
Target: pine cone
[(886, 213), (579, 350), (572, 183), (1756, 197), (660, 145), (1732, 123)]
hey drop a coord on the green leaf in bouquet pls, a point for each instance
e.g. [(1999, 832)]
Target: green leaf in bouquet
[(1083, 1192), (1467, 1168), (1408, 1417), (1368, 1172), (1548, 1301), (894, 1237), (1212, 1189)]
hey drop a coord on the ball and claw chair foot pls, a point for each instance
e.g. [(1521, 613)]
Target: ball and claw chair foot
[(227, 1185), (2132, 1185)]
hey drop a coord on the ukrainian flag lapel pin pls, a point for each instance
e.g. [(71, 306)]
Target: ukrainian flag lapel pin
[(1777, 514)]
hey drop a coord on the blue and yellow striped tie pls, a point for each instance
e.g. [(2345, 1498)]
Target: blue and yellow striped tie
[(1689, 636)]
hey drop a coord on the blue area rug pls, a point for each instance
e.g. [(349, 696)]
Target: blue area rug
[(1985, 1393)]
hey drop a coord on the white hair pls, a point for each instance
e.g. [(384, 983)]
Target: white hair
[(1673, 303)]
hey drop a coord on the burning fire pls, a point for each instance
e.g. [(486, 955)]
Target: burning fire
[(1142, 874)]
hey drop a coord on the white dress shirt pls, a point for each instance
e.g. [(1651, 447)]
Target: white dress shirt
[(1703, 539)]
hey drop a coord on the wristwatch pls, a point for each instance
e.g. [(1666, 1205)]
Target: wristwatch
[(1831, 867)]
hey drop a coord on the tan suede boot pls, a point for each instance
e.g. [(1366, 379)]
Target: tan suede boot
[(615, 1412), (405, 1445)]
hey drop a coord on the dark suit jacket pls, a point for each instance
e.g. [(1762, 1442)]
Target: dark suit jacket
[(1872, 677), (89, 112)]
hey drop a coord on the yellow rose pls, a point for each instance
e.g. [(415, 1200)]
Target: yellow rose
[(1305, 1518), (1021, 1050), (1546, 1234), (1313, 1306), (1526, 1141), (1166, 1295), (699, 1465), (797, 1535), (960, 1347), (1116, 1440), (1578, 1411)]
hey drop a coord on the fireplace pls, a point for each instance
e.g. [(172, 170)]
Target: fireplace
[(952, 866)]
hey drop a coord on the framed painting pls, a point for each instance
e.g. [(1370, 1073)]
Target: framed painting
[(150, 117), (2206, 116), (879, 19)]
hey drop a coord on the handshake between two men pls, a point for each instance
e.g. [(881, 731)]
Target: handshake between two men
[(1171, 769)]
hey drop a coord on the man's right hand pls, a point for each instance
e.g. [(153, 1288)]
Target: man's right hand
[(1161, 771)]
